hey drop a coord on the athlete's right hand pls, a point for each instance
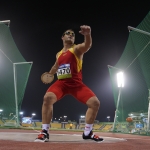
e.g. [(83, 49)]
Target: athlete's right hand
[(47, 78), (85, 30)]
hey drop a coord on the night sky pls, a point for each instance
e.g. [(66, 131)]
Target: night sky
[(37, 28)]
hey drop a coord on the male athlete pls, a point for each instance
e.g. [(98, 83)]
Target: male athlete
[(68, 66)]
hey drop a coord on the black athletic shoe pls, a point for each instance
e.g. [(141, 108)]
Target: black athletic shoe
[(42, 137), (92, 136)]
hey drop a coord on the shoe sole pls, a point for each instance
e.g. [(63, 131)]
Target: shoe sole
[(42, 141)]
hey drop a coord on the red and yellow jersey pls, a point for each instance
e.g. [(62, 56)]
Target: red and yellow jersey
[(70, 66)]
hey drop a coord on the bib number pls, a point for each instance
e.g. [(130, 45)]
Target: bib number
[(64, 71)]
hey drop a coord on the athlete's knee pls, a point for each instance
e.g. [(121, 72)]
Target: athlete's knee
[(49, 98), (93, 102)]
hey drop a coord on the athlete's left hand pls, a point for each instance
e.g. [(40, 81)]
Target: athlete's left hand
[(85, 30)]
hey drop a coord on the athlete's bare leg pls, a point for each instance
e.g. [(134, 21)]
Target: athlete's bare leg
[(47, 107), (93, 106), (47, 113)]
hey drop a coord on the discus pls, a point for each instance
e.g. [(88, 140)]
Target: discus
[(47, 77)]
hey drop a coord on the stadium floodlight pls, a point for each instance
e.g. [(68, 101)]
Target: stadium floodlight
[(120, 82), (21, 113), (33, 114), (120, 79), (82, 117), (1, 110)]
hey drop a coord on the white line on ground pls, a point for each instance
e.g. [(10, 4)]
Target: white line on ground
[(61, 135)]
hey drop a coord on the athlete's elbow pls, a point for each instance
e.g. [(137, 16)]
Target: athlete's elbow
[(87, 49), (88, 46)]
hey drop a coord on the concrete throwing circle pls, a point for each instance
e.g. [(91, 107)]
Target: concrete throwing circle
[(54, 138)]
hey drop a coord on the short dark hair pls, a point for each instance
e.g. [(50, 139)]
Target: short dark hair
[(67, 30)]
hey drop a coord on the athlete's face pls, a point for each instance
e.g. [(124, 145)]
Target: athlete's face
[(68, 37)]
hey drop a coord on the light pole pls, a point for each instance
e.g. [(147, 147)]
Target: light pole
[(108, 117), (82, 117), (120, 81), (33, 114), (65, 118), (82, 120), (148, 119), (1, 113), (21, 116)]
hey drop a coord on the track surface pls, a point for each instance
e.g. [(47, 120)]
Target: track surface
[(14, 139)]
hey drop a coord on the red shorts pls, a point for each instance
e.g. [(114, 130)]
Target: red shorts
[(77, 89)]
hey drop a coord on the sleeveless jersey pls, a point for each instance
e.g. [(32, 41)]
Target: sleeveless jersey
[(70, 66)]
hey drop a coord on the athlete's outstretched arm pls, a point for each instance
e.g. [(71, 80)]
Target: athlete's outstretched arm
[(86, 45), (54, 68)]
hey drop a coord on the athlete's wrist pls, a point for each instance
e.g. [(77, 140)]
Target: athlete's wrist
[(50, 73), (87, 34)]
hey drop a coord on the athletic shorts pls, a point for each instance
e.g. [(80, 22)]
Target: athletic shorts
[(77, 89)]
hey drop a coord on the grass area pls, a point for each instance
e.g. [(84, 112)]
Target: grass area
[(73, 130), (52, 129), (36, 128)]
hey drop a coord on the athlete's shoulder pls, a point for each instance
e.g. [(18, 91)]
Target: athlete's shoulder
[(72, 48), (58, 53), (75, 47), (77, 52)]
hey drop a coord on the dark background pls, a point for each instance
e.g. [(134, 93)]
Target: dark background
[(37, 26)]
